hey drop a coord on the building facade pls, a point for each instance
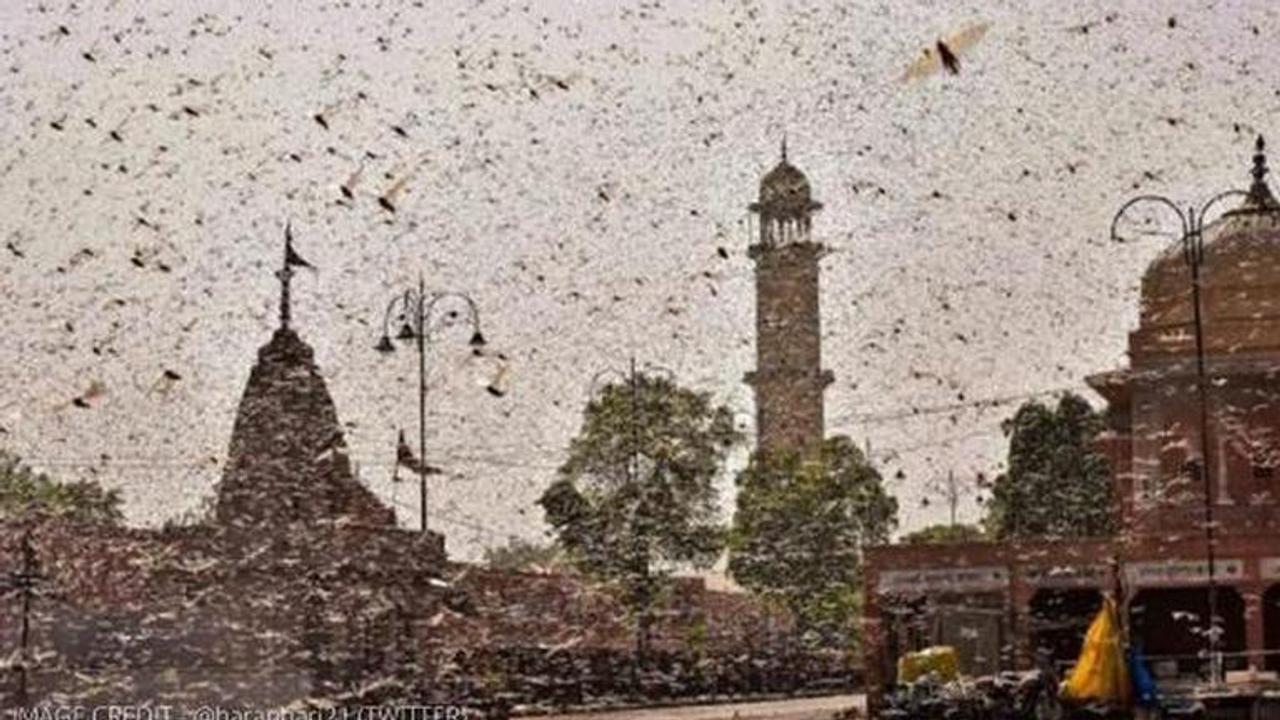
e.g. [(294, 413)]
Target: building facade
[(1013, 605)]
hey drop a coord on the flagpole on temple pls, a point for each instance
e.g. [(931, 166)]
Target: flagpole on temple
[(414, 310), (291, 260)]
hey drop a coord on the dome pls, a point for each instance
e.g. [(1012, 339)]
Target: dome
[(784, 190), (784, 184), (1239, 281)]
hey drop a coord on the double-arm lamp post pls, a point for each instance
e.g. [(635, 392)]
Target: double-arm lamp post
[(1192, 239), (415, 310)]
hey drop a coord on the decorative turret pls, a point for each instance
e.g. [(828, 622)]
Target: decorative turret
[(1240, 278), (1260, 197)]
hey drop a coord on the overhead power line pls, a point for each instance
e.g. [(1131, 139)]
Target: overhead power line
[(927, 410)]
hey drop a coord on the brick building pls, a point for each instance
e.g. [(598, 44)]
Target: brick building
[(1004, 606)]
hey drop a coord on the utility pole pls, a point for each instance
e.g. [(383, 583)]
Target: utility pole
[(24, 581), (422, 404), (951, 490), (635, 422), (1194, 251), (953, 495), (639, 564), (642, 547)]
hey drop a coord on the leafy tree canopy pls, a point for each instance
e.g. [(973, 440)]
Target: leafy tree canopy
[(636, 496), (799, 530), (945, 533), (24, 492), (1056, 485)]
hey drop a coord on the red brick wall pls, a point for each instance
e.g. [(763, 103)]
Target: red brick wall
[(131, 615), (206, 614)]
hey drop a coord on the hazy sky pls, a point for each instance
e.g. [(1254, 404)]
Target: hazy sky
[(574, 167)]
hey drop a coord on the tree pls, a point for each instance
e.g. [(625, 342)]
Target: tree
[(799, 530), (1057, 485), (522, 555), (636, 497), (25, 492), (945, 533)]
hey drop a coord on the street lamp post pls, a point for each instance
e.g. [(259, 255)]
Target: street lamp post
[(414, 309), (1192, 239)]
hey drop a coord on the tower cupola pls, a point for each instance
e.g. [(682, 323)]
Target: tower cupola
[(785, 204)]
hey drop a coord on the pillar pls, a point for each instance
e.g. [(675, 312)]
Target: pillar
[(873, 639), (1254, 633), (1020, 593)]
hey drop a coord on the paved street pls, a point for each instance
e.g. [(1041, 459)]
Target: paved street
[(823, 708)]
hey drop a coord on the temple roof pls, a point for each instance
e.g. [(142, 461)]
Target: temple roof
[(288, 458), (1240, 282)]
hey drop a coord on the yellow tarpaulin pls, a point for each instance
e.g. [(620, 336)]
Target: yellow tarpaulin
[(940, 660), (1101, 674)]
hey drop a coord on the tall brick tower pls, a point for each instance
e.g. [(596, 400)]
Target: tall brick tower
[(789, 379)]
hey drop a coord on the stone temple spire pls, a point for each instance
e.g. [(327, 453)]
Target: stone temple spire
[(288, 462)]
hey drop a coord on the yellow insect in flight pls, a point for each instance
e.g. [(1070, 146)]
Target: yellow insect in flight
[(945, 53)]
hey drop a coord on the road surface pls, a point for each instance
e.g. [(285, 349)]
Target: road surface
[(823, 708)]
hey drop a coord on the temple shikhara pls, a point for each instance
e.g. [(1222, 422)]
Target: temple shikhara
[(288, 460), (1021, 604)]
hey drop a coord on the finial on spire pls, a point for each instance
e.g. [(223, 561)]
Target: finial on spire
[(285, 273), (784, 147), (1259, 160), (1259, 193)]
